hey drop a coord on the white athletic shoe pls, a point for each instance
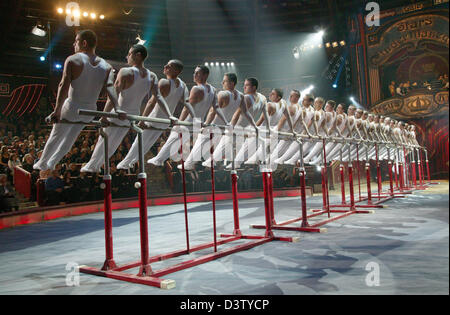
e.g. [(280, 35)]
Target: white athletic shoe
[(40, 166), (207, 163), (155, 162), (290, 162), (86, 169), (187, 166), (123, 166)]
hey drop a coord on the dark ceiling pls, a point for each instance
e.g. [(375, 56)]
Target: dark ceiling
[(191, 30)]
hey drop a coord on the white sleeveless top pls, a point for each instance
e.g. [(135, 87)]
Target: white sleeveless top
[(230, 109), (351, 124), (202, 108), (322, 117), (258, 104), (279, 112), (171, 99), (298, 112), (85, 90), (130, 100), (308, 117), (342, 125), (330, 123)]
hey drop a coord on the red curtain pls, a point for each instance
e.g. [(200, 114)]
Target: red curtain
[(433, 133)]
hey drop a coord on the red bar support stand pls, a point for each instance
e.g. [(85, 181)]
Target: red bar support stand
[(341, 169), (145, 269), (234, 180), (109, 262)]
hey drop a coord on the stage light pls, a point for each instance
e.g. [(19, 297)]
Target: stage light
[(232, 64), (342, 43), (85, 14), (335, 44), (102, 17), (228, 64), (217, 64), (58, 66), (318, 168), (93, 15), (68, 11), (335, 85), (296, 53), (206, 64), (222, 64), (321, 33), (319, 46), (60, 10), (311, 87), (328, 45), (42, 58), (39, 30), (352, 99), (76, 13)]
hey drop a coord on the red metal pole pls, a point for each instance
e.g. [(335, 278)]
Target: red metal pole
[(359, 171), (303, 197), (183, 173), (237, 230), (378, 171), (269, 232), (109, 262), (391, 183), (325, 176), (324, 196), (272, 209), (428, 171), (341, 169), (213, 192), (369, 190), (422, 170), (402, 186), (145, 269), (350, 179), (413, 166), (396, 170)]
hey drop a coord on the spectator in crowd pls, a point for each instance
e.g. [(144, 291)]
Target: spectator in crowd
[(392, 88), (82, 186), (96, 190), (54, 186), (69, 188), (7, 200), (74, 170)]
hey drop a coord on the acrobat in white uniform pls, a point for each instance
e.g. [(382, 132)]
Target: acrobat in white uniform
[(83, 94), (176, 95), (130, 101), (201, 110), (257, 108)]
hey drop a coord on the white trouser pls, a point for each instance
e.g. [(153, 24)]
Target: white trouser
[(293, 153), (149, 137), (170, 148), (202, 147), (280, 149), (115, 137), (60, 141), (315, 152), (245, 151)]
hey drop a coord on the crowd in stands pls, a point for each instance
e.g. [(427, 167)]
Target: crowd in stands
[(404, 88), (21, 144)]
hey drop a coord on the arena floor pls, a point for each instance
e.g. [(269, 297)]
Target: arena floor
[(408, 241)]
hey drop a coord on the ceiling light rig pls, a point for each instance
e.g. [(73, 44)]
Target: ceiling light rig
[(78, 14), (219, 63)]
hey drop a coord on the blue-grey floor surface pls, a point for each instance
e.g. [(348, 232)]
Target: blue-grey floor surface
[(401, 249)]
